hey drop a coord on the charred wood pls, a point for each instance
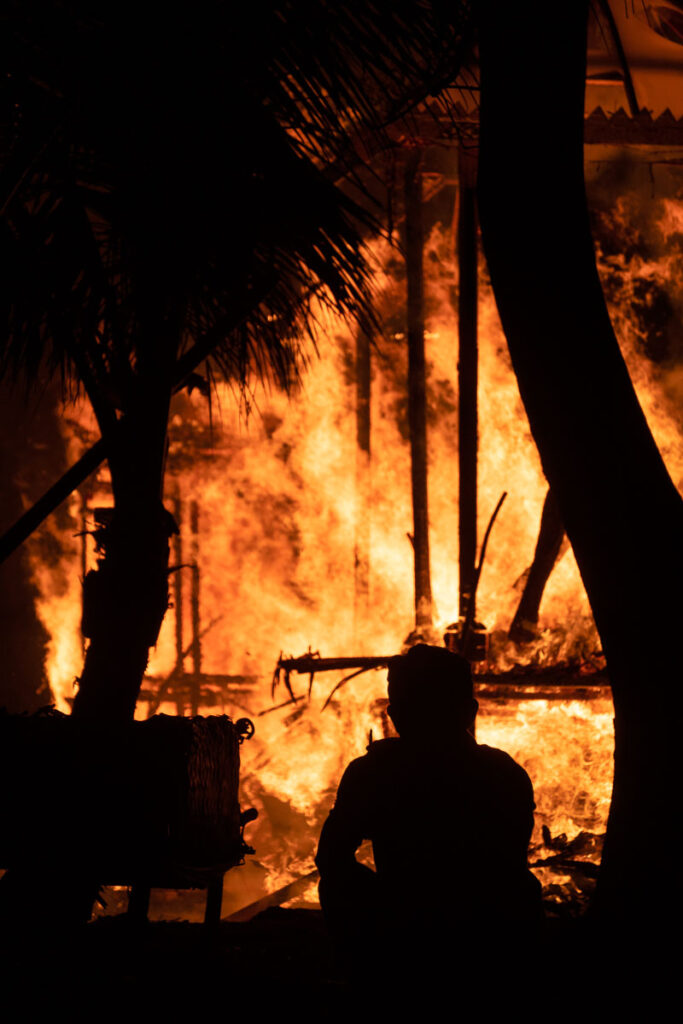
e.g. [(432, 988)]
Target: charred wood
[(566, 682), (277, 898), (178, 602), (196, 629), (468, 623), (417, 388), (548, 549), (467, 376), (362, 526)]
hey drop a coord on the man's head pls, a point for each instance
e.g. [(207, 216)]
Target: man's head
[(430, 688)]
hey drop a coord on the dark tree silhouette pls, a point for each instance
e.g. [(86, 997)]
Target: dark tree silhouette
[(171, 185), (621, 510)]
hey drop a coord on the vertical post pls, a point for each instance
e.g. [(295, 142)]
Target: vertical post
[(362, 539), (179, 672), (196, 642), (417, 400), (467, 373), (214, 902), (84, 549)]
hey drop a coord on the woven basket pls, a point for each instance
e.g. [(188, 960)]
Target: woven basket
[(154, 800)]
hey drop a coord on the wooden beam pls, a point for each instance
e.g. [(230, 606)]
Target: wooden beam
[(275, 899)]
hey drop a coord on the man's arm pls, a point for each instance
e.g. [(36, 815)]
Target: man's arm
[(348, 890), (346, 825), (515, 816)]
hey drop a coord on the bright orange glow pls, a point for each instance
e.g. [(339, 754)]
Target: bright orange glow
[(278, 509)]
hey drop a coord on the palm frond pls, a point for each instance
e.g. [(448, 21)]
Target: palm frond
[(161, 175)]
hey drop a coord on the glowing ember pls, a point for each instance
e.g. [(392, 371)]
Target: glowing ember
[(566, 747)]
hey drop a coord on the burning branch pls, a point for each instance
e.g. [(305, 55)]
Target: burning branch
[(311, 663), (469, 618), (177, 671)]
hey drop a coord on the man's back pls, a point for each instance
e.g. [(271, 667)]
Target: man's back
[(450, 825)]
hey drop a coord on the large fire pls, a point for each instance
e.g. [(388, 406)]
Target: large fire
[(278, 504)]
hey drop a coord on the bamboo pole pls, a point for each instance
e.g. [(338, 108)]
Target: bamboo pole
[(178, 602), (417, 400), (194, 598), (362, 526), (467, 377)]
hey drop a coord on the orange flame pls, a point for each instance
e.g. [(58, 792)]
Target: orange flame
[(278, 508)]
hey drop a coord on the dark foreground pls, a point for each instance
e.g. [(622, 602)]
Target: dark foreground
[(282, 962)]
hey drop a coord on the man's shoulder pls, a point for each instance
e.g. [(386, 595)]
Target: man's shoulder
[(380, 755), (365, 774), (495, 754), (502, 763), (384, 748), (378, 752), (499, 757)]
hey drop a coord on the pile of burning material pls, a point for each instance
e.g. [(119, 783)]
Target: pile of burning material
[(145, 804), (555, 721), (303, 534)]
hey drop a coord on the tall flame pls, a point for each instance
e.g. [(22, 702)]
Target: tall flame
[(278, 510)]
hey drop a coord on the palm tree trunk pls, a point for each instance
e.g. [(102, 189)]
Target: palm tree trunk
[(621, 511), (126, 597)]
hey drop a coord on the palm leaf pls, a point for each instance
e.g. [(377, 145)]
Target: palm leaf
[(162, 176)]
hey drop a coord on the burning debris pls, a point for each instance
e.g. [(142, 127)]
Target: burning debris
[(297, 527), (274, 553)]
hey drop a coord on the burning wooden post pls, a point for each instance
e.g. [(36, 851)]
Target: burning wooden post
[(362, 539), (195, 683), (178, 601), (195, 688), (417, 402), (467, 635), (467, 375)]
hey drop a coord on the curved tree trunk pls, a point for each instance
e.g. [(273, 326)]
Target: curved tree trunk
[(622, 513), (126, 597)]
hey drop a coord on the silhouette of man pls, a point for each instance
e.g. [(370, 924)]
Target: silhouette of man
[(450, 822)]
